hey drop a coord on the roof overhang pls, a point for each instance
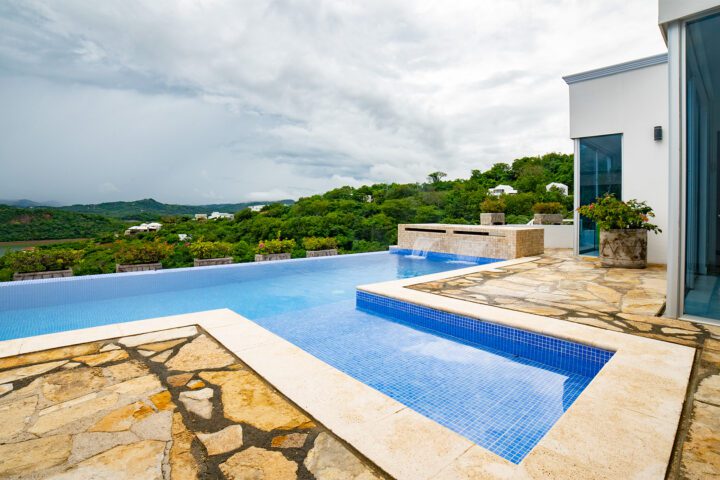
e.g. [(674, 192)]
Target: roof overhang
[(615, 69)]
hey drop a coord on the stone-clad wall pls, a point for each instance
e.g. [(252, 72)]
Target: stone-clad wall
[(503, 242)]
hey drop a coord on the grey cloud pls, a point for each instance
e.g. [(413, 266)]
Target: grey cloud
[(186, 101)]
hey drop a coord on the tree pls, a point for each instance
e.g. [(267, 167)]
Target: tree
[(436, 177)]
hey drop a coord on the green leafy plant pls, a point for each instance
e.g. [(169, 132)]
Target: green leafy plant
[(319, 243), (42, 260), (142, 252), (548, 208), (610, 214), (493, 205), (268, 247), (204, 250)]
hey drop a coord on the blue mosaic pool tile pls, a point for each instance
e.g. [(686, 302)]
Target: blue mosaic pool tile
[(508, 424), (569, 356)]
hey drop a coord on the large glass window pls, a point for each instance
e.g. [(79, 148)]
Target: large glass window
[(600, 173), (702, 249)]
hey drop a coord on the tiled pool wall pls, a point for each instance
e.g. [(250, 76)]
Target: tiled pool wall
[(447, 257), (562, 354)]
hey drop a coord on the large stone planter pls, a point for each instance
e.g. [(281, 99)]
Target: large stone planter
[(623, 248), (205, 262), (42, 275), (548, 219), (140, 267), (492, 219), (321, 253), (271, 257)]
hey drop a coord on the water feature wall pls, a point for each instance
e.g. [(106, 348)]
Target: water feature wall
[(503, 242)]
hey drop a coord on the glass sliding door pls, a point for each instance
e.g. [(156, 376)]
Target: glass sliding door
[(702, 216), (600, 173)]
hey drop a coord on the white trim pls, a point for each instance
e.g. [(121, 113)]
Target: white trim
[(676, 158), (576, 196), (615, 69)]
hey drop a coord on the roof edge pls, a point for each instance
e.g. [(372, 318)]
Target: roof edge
[(615, 69)]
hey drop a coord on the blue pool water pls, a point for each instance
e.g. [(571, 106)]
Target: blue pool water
[(501, 400)]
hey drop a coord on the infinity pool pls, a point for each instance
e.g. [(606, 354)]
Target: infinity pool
[(498, 399)]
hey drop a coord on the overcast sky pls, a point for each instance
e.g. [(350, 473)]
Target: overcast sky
[(215, 101)]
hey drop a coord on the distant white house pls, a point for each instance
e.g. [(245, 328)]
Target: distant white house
[(502, 190), (217, 215), (560, 186), (143, 228), (201, 216), (256, 208)]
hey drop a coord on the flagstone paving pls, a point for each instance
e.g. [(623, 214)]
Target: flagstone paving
[(579, 290), (171, 405)]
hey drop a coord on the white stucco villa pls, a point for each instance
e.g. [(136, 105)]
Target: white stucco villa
[(502, 190), (650, 129)]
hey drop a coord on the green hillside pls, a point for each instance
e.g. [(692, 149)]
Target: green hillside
[(150, 209), (17, 224)]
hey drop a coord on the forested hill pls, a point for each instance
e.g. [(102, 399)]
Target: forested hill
[(150, 209), (17, 224), (361, 218)]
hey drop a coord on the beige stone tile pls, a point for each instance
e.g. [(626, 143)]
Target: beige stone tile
[(159, 336), (62, 416), (400, 444), (10, 348), (7, 376), (701, 450), (27, 458), (477, 463), (49, 355), (134, 461)]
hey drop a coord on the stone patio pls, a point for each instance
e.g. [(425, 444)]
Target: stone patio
[(578, 290), (172, 404)]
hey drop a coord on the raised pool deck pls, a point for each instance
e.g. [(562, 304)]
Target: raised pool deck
[(633, 405), (578, 290)]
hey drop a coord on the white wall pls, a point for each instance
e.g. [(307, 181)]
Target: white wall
[(669, 10), (557, 236), (631, 103)]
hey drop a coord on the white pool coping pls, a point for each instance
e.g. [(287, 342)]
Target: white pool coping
[(622, 426)]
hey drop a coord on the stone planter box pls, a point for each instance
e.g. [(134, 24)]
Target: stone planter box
[(140, 267), (623, 248), (205, 262), (492, 219), (548, 219), (272, 257), (321, 253), (42, 275)]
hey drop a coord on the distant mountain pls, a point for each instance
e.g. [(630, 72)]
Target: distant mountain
[(151, 209), (45, 223), (25, 203)]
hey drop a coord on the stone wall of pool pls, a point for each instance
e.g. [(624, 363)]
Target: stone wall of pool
[(500, 242)]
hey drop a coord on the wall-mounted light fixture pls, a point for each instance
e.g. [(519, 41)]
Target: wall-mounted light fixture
[(658, 133)]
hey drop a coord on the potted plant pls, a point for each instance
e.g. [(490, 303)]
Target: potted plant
[(269, 250), (37, 263), (320, 246), (141, 256), (623, 230), (548, 213), (211, 253), (493, 211)]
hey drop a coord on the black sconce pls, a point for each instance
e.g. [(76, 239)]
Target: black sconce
[(658, 133)]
